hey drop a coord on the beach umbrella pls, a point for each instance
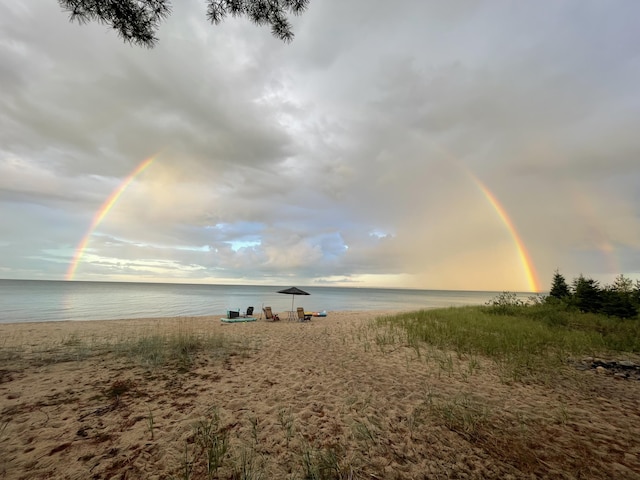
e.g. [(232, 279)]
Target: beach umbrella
[(293, 291)]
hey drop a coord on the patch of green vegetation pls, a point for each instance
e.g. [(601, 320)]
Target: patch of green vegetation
[(248, 466), (212, 442), (177, 349), (525, 339), (180, 349), (324, 463), (463, 414), (286, 420)]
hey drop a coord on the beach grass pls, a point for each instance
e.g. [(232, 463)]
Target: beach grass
[(178, 348), (154, 349), (527, 342)]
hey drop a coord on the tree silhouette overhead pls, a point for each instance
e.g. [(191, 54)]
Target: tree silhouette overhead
[(137, 21)]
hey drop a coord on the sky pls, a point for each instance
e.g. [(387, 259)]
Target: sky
[(413, 144)]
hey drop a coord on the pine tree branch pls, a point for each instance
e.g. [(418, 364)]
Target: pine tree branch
[(137, 21)]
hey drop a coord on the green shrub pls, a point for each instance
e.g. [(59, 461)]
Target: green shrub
[(506, 303)]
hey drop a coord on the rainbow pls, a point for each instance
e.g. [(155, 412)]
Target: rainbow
[(525, 258), (102, 212)]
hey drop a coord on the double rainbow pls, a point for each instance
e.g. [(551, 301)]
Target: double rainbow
[(102, 212), (525, 258)]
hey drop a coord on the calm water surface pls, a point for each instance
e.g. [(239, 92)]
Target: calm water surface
[(46, 301)]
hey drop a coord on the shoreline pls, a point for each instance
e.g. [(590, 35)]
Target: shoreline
[(49, 301), (208, 322)]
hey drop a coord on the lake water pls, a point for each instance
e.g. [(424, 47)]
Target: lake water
[(47, 301)]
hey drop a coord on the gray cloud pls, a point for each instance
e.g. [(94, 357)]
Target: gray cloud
[(356, 154)]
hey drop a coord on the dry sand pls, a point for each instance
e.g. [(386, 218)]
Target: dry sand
[(329, 398)]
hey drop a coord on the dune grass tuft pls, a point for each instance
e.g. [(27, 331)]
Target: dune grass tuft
[(179, 349)]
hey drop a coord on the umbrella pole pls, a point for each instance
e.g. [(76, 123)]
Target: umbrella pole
[(292, 297)]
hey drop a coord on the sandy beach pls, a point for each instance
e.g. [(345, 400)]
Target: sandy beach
[(319, 399)]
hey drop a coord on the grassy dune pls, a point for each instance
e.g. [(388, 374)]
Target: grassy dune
[(526, 342)]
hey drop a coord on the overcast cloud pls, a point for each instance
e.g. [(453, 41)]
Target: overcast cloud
[(354, 155)]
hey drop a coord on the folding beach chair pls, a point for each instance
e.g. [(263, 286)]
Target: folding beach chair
[(269, 315), (303, 317)]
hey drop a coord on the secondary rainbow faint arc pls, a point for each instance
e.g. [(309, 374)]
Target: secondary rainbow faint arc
[(527, 263), (102, 212)]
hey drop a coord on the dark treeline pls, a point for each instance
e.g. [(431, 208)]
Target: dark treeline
[(621, 299)]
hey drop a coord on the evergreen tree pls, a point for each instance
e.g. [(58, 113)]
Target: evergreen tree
[(587, 294), (137, 20), (617, 304), (559, 287), (617, 299), (623, 285)]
